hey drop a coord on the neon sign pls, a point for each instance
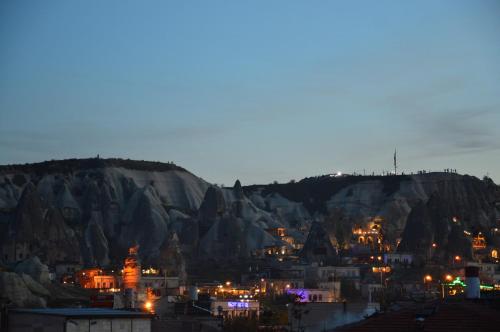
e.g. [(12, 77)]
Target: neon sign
[(456, 282), (238, 305)]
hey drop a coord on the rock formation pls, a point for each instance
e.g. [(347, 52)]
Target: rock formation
[(92, 210), (318, 247)]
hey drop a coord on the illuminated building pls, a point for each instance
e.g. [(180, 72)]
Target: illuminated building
[(315, 295), (85, 277), (293, 242), (381, 269), (150, 271), (494, 253), (277, 250), (228, 309), (131, 275), (479, 241), (277, 231), (132, 270), (281, 286), (228, 291), (158, 285), (105, 282), (371, 235), (96, 278)]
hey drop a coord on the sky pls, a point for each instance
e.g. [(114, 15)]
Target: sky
[(254, 90)]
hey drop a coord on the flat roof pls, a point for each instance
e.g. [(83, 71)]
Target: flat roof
[(84, 312)]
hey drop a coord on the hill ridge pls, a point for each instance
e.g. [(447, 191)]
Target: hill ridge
[(74, 164)]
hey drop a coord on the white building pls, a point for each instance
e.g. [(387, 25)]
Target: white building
[(398, 259), (488, 270), (233, 308), (314, 295), (321, 274)]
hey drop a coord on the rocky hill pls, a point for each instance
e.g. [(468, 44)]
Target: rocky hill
[(417, 209), (93, 209)]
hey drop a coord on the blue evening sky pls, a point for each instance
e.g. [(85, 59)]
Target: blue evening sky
[(255, 90)]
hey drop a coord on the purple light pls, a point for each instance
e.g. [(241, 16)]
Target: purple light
[(238, 305), (302, 294)]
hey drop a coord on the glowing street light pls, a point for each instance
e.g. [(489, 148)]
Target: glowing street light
[(148, 306), (448, 278), (228, 283), (427, 281)]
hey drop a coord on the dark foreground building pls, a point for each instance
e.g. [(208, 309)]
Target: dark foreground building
[(77, 319), (473, 315)]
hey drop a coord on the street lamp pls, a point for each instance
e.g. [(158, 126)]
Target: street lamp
[(427, 279), (448, 278)]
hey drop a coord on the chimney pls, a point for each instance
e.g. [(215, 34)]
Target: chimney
[(472, 281)]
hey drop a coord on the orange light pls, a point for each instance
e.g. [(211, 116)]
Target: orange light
[(428, 278), (434, 245), (449, 277), (457, 258), (382, 269), (148, 305), (228, 283)]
